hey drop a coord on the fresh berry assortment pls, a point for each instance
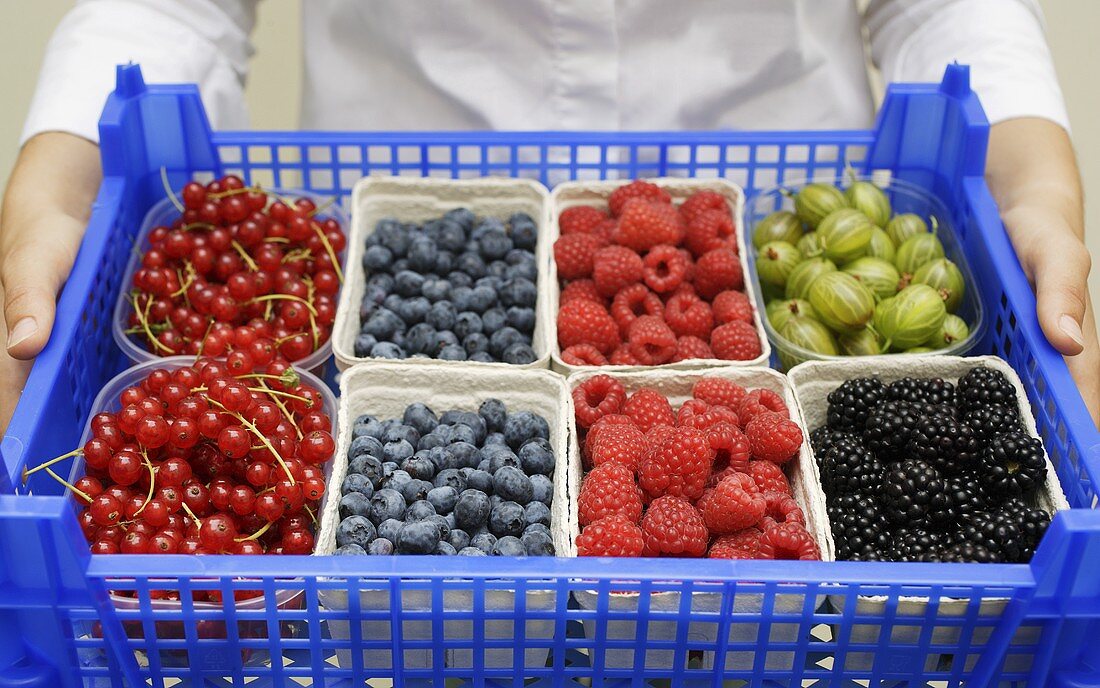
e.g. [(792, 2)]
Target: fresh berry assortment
[(924, 470), (241, 270), (465, 483), (706, 479), (648, 283), (205, 459), (455, 288)]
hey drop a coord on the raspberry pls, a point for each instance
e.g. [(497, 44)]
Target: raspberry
[(773, 437), (609, 489), (717, 271), (651, 340), (583, 355), (599, 427), (632, 302), (665, 268), (735, 341), (597, 397), (573, 255), (731, 448), (607, 229), (673, 527), (731, 306), (583, 322), (613, 536), (769, 477), (735, 504), (658, 434), (621, 444), (645, 224), (679, 466), (582, 289), (709, 230), (713, 416), (622, 356), (688, 348), (689, 316), (647, 408), (689, 274), (614, 268), (689, 409), (701, 201), (761, 401), (744, 544), (635, 189), (783, 509), (580, 219), (791, 541), (718, 391)]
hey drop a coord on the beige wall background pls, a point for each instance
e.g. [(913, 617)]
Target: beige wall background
[(276, 76)]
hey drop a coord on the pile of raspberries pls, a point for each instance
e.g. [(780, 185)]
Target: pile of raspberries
[(652, 283), (706, 480)]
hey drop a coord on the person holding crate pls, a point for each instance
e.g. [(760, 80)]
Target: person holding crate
[(559, 65)]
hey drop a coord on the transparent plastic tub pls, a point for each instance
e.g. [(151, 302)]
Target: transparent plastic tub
[(164, 213), (904, 198)]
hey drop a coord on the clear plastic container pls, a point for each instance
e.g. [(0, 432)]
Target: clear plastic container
[(904, 198), (164, 213)]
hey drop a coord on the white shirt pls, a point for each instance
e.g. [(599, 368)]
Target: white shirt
[(558, 64)]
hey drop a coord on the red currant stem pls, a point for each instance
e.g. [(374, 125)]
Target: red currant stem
[(312, 515), (263, 438), (144, 319), (288, 297), (328, 249), (266, 489), (275, 393), (288, 378), (190, 513), (267, 310), (296, 254), (276, 240), (244, 256), (51, 462), (257, 534), (75, 490), (152, 483), (202, 342), (235, 192), (283, 408), (196, 225), (168, 189), (256, 446), (324, 206), (313, 331)]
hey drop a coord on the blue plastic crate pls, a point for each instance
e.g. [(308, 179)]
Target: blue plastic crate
[(57, 625)]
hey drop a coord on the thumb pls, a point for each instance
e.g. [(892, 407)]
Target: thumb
[(1061, 272)]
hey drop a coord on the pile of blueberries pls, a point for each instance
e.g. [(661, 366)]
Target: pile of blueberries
[(465, 483), (457, 288)]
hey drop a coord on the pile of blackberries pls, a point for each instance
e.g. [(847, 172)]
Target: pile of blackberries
[(464, 483), (923, 470), (457, 288)]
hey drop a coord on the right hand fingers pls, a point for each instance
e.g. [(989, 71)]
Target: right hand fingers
[(14, 374)]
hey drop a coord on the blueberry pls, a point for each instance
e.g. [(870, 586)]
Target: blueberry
[(482, 298), (533, 528), (542, 489), (460, 280), (443, 498), (377, 258), (420, 417), (352, 549), (521, 318), (355, 504), (493, 412), (494, 245), (446, 338), (373, 298), (413, 310), (386, 503), (442, 458), (471, 509), (363, 345), (498, 269), (463, 217), (419, 467), (356, 483), (493, 282), (495, 501), (435, 289), (365, 445), (518, 292), (509, 546), (382, 324), (466, 323), (512, 484), (526, 269), (450, 519), (525, 232), (470, 264), (442, 524), (452, 352), (395, 480), (502, 457), (472, 421), (507, 519), (463, 433), (504, 338), (477, 479), (398, 340), (493, 320), (435, 438), (459, 539), (445, 548), (538, 545), (536, 456), (481, 357), (418, 537), (381, 547), (419, 510), (444, 262), (387, 350), (524, 425), (368, 466), (422, 254), (442, 315), (519, 354), (383, 281), (393, 302), (462, 298), (400, 265), (408, 283), (537, 512), (366, 425), (464, 454), (452, 236), (415, 490), (389, 529), (472, 552), (388, 468), (355, 530), (399, 430), (495, 438), (450, 477), (397, 451), (393, 235), (476, 343)]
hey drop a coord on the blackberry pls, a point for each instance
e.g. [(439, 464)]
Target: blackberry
[(990, 421), (913, 544), (1032, 522), (852, 402), (824, 437), (859, 527), (1014, 464), (848, 468), (936, 391), (985, 387), (950, 446), (888, 430), (913, 489), (966, 496), (967, 553), (996, 532)]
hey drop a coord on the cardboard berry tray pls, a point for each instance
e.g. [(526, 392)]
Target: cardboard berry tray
[(812, 382), (596, 193), (384, 390), (676, 385), (416, 199)]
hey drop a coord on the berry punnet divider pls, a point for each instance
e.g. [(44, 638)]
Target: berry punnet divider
[(384, 390), (595, 194), (414, 199), (164, 213), (812, 381), (676, 386)]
